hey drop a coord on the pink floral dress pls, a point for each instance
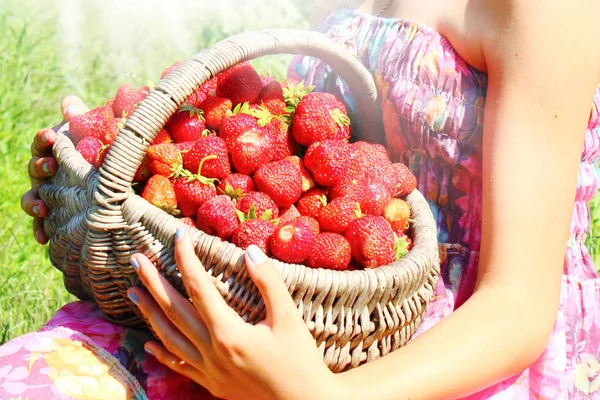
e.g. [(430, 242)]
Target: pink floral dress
[(432, 104)]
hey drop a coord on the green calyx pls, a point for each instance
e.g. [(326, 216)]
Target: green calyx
[(323, 199), (293, 94), (341, 119), (400, 246), (266, 216), (194, 111), (184, 173), (231, 192), (358, 211)]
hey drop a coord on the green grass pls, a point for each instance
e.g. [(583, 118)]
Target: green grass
[(45, 55)]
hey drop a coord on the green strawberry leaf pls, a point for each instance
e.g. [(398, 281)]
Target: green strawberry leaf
[(194, 111), (231, 192), (266, 216), (341, 119), (400, 247), (252, 212), (275, 221), (241, 215)]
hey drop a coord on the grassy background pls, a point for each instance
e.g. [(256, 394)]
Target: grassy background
[(50, 49)]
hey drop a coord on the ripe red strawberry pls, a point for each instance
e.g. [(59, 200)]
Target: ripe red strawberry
[(271, 97), (235, 125), (288, 215), (162, 137), (184, 147), (213, 151), (215, 108), (261, 202), (236, 185), (210, 87), (187, 124), (400, 180), (126, 100), (163, 159), (311, 203), (368, 160), (327, 160), (188, 221), (170, 69), (218, 215), (254, 231), (266, 79), (320, 116), (92, 150), (372, 241), (371, 193), (281, 180), (312, 223), (239, 83), (142, 173), (292, 241), (159, 191), (331, 251), (397, 213), (284, 144), (192, 192), (250, 150), (197, 97), (98, 122), (338, 214), (308, 182)]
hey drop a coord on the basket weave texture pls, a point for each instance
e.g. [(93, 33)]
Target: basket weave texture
[(96, 222)]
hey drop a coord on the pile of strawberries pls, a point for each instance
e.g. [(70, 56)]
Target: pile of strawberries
[(256, 161)]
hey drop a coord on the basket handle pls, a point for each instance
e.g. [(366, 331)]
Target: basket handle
[(151, 115)]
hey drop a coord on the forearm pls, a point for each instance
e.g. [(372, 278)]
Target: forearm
[(491, 337)]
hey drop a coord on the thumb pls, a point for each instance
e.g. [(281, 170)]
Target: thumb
[(72, 106), (278, 302)]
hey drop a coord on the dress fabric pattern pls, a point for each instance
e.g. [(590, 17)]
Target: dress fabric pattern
[(432, 104)]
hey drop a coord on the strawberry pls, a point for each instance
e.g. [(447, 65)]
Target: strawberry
[(372, 241), (284, 144), (327, 160), (400, 180), (320, 116), (312, 223), (163, 159), (235, 125), (188, 221), (281, 180), (397, 213), (187, 124), (142, 173), (92, 150), (239, 83), (254, 231), (294, 92), (330, 251), (210, 87), (292, 242), (266, 79), (250, 150), (311, 203), (288, 215), (162, 137), (197, 97), (215, 108), (402, 245), (184, 147), (236, 185), (271, 97), (308, 182), (218, 215), (371, 193), (98, 122), (338, 214), (192, 192), (213, 150), (367, 160), (159, 191), (126, 100), (170, 69), (261, 202)]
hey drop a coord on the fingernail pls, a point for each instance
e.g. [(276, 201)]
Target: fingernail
[(179, 233), (71, 108), (135, 264), (256, 254), (133, 297), (37, 237), (45, 137), (46, 167), (36, 210), (147, 350)]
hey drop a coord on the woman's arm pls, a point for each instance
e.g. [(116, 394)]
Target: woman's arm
[(543, 66)]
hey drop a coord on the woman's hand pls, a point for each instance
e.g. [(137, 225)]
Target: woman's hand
[(43, 166), (208, 342)]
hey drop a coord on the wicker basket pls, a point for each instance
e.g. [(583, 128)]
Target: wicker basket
[(96, 222)]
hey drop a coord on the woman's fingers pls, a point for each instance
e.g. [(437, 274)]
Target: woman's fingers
[(42, 143), (38, 231), (278, 302), (175, 363), (32, 205), (171, 337), (41, 168), (199, 286), (72, 106), (180, 312)]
